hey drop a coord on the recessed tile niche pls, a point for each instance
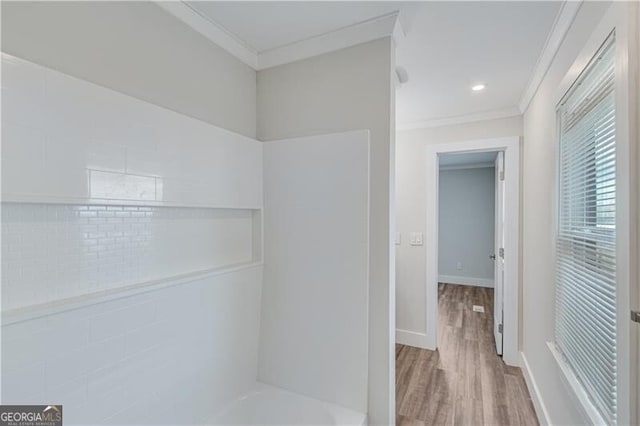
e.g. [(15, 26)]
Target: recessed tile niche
[(58, 251), (104, 193)]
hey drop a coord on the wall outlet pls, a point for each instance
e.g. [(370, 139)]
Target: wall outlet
[(459, 266), (415, 239)]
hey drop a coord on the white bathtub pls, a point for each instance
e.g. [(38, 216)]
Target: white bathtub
[(269, 405)]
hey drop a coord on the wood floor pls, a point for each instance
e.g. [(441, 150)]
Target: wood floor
[(464, 382)]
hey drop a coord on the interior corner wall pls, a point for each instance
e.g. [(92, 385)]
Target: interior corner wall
[(138, 49), (539, 156), (349, 89), (466, 230), (411, 205)]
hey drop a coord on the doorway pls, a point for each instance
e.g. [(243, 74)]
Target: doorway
[(506, 292), (470, 245)]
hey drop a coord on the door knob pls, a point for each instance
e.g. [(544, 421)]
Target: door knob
[(492, 257)]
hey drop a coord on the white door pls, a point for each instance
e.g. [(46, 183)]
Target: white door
[(498, 257)]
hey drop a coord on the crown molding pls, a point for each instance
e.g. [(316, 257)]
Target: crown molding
[(362, 32), (564, 19), (211, 30), (373, 29), (461, 119)]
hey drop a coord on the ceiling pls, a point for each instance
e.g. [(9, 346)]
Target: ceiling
[(448, 46), (266, 25), (452, 45), (473, 159)]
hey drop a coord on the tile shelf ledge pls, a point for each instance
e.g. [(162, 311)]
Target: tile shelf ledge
[(44, 199), (26, 313)]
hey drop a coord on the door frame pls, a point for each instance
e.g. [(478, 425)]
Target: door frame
[(498, 241), (511, 148)]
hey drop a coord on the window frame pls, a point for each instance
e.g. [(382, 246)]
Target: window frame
[(589, 227), (619, 17)]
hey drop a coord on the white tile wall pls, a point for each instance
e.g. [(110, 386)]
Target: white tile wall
[(100, 191), (171, 356), (55, 251), (67, 140)]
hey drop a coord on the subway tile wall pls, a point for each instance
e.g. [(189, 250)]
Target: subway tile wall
[(79, 152), (65, 140), (55, 251), (171, 356)]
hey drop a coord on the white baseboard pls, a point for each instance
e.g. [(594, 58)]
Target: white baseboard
[(536, 398), (411, 338), (476, 282)]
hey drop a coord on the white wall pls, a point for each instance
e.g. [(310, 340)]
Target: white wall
[(346, 90), (538, 251), (138, 49), (466, 228), (411, 190), (66, 140), (106, 307), (174, 356), (314, 328)]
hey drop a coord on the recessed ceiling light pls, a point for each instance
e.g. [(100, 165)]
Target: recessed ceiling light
[(478, 87)]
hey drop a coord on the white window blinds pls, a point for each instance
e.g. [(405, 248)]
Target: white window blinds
[(586, 242)]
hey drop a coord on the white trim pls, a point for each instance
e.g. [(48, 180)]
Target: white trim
[(460, 280), (211, 30), (511, 148), (564, 20), (381, 26), (460, 119), (373, 29), (576, 390), (77, 302), (534, 392), (634, 135), (468, 166), (411, 338)]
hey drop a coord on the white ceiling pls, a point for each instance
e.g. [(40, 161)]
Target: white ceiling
[(452, 45), (474, 159), (448, 46)]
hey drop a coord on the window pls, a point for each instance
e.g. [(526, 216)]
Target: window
[(585, 330)]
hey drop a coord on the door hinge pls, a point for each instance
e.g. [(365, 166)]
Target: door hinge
[(501, 252), (500, 328), (502, 175), (635, 316)]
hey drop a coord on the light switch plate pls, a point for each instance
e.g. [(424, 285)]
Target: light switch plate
[(398, 238), (415, 239)]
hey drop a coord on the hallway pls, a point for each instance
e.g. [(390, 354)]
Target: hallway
[(464, 382)]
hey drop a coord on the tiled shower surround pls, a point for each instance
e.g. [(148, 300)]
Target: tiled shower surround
[(52, 252), (171, 353)]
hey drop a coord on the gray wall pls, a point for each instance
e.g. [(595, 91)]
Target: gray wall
[(138, 49), (467, 206), (347, 90)]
